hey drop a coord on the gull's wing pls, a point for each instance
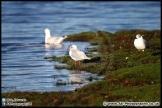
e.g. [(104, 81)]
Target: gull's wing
[(55, 40), (59, 39), (79, 54), (146, 43), (51, 40)]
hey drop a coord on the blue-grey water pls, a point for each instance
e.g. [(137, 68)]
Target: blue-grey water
[(23, 66)]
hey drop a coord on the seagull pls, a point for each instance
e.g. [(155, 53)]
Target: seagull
[(77, 55), (140, 43), (53, 40)]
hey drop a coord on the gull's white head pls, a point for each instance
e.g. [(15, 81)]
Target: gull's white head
[(73, 47), (138, 36), (47, 30)]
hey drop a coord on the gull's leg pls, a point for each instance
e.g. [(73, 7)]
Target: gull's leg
[(138, 52), (79, 63), (75, 63)]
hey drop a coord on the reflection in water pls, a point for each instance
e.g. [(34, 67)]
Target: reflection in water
[(53, 49), (48, 46), (76, 77)]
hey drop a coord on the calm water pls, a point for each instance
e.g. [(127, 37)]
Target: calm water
[(23, 66)]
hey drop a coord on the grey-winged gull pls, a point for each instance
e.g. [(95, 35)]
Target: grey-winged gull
[(140, 43), (51, 39), (77, 55)]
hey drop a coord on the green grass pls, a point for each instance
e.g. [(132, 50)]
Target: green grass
[(130, 76), (82, 37)]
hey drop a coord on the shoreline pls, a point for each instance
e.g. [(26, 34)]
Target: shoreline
[(128, 75)]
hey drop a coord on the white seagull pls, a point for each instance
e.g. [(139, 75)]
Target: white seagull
[(77, 55), (140, 43), (53, 40)]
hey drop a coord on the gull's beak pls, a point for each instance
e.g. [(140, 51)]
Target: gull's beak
[(68, 49)]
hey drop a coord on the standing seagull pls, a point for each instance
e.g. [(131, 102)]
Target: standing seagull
[(53, 40), (140, 43), (77, 55)]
